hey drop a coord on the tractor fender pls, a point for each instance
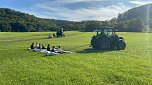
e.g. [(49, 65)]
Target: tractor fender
[(121, 39)]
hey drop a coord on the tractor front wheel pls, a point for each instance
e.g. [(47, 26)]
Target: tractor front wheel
[(121, 45)]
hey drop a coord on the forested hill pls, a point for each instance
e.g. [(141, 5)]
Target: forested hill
[(135, 19), (14, 21), (137, 12)]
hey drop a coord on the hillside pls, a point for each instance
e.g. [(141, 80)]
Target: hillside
[(137, 12), (14, 21), (136, 19), (11, 20)]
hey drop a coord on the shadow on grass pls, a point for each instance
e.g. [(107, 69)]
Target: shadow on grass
[(74, 48), (91, 50)]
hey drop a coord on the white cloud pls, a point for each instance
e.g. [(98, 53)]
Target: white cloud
[(102, 13), (141, 2), (76, 1), (57, 11)]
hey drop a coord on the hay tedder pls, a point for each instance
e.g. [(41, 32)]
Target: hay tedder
[(60, 33)]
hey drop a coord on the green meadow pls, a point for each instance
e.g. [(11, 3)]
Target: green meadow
[(18, 65)]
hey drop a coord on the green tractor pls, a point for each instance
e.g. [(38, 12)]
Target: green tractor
[(107, 39)]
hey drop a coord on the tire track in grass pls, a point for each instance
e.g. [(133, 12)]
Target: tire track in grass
[(24, 36), (22, 40), (75, 34)]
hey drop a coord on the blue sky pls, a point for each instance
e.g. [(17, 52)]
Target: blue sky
[(73, 10)]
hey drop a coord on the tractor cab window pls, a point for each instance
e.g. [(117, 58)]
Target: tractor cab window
[(108, 32)]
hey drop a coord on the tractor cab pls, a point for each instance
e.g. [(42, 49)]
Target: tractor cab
[(108, 31)]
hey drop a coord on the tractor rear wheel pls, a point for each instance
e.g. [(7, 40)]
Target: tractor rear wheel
[(121, 45), (103, 43)]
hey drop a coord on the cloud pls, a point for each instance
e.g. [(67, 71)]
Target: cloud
[(77, 1), (102, 13), (140, 2), (58, 11)]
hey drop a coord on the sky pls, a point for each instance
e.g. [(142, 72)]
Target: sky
[(73, 10)]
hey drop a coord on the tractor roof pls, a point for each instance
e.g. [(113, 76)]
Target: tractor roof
[(101, 29)]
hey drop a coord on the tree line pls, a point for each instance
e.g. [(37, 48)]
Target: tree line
[(134, 20)]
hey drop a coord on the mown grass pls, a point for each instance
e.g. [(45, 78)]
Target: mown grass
[(18, 65)]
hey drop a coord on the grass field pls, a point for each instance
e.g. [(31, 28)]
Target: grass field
[(18, 65)]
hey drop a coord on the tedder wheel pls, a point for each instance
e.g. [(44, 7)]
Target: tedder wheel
[(121, 45)]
